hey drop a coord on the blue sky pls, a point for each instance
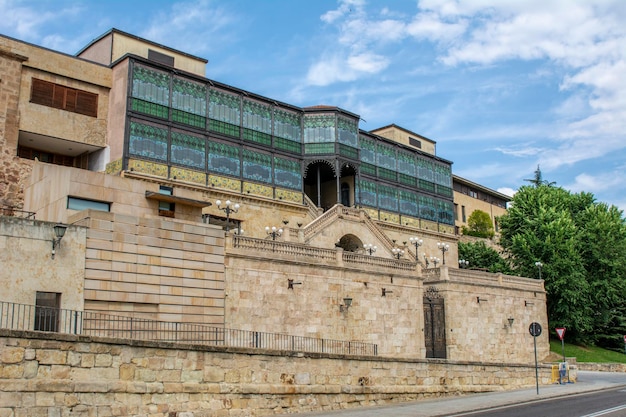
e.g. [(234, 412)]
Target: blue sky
[(501, 86)]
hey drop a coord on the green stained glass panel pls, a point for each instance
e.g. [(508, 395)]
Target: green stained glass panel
[(287, 173), (189, 96), (188, 150), (151, 85), (225, 107), (147, 141), (257, 166), (257, 117), (224, 159)]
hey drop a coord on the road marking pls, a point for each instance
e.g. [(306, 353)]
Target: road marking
[(607, 411)]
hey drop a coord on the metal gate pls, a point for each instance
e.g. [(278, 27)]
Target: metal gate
[(434, 324)]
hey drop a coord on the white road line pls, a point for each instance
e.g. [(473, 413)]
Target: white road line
[(607, 411)]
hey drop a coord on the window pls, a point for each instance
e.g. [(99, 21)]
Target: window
[(47, 305), (166, 209), (415, 142), (64, 98), (75, 203), (463, 219)]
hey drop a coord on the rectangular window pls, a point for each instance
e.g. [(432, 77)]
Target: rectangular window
[(75, 203), (166, 209), (64, 98), (415, 142), (463, 219), (47, 305)]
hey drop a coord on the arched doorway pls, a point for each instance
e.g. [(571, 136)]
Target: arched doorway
[(350, 243), (320, 183)]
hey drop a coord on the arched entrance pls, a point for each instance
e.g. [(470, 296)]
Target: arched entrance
[(325, 188), (350, 243)]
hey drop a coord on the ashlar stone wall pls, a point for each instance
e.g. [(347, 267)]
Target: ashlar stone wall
[(47, 374)]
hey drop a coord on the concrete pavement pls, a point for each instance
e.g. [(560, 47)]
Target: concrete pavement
[(449, 406)]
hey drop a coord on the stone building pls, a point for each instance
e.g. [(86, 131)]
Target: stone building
[(196, 202)]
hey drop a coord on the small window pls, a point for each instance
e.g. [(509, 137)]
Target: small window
[(463, 218), (74, 203), (47, 306), (415, 142), (160, 58), (165, 190)]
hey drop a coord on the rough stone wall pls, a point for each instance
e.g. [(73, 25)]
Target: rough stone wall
[(14, 169), (44, 374)]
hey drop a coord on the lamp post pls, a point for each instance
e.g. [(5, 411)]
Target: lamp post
[(443, 247), (539, 265), (273, 231), (434, 260), (228, 208), (463, 263), (59, 232), (417, 242), (369, 248), (397, 252)]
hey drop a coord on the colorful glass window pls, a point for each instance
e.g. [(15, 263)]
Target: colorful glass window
[(388, 198), (368, 195), (408, 203), (319, 128), (257, 166), (150, 91), (368, 150), (224, 107), (287, 125), (287, 173), (188, 150), (147, 141), (224, 159), (386, 156), (347, 132)]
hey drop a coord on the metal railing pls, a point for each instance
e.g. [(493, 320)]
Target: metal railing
[(10, 211), (15, 316)]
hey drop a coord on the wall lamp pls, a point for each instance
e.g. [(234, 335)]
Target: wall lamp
[(397, 253), (386, 291), (347, 302), (528, 303), (481, 300), (510, 320), (291, 283), (59, 232)]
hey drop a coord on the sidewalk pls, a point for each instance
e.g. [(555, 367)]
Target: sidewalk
[(447, 406)]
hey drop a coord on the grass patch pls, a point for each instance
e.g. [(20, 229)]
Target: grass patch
[(587, 353)]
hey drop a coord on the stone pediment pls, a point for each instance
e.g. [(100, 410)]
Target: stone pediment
[(349, 228)]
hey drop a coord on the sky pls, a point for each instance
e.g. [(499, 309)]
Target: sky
[(502, 87)]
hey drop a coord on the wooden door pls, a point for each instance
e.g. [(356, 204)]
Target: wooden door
[(434, 328)]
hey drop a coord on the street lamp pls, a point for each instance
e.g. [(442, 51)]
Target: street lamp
[(443, 247), (369, 248), (463, 263), (434, 260), (417, 242), (539, 265), (228, 208), (273, 231), (397, 252)]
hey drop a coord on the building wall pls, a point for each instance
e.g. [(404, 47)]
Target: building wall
[(65, 374), (28, 266), (20, 62), (471, 204)]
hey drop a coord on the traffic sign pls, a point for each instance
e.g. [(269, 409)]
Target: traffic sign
[(535, 329), (560, 331)]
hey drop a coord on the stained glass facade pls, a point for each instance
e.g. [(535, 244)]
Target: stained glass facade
[(203, 127), (188, 150)]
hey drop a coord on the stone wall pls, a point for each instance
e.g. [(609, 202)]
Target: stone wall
[(47, 374), (28, 266)]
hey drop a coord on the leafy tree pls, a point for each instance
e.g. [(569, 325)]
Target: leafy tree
[(479, 255), (479, 225), (582, 246)]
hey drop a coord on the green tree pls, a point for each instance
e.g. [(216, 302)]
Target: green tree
[(582, 246), (479, 255), (479, 225)]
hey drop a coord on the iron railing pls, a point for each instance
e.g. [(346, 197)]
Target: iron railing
[(11, 211), (16, 316)]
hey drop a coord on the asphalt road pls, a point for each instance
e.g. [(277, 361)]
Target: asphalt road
[(610, 403), (595, 394)]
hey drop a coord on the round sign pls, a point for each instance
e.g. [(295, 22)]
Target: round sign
[(535, 329)]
